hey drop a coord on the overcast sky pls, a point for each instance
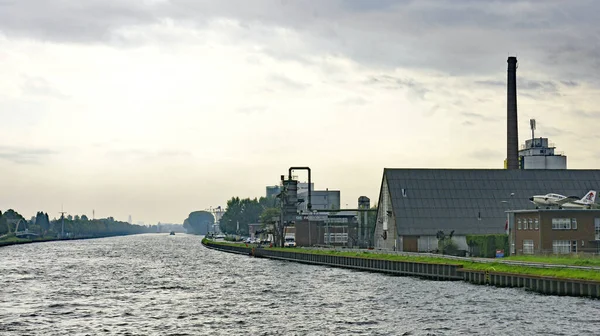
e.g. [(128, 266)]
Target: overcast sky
[(156, 108)]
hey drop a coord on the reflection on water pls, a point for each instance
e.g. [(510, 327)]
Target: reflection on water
[(171, 285)]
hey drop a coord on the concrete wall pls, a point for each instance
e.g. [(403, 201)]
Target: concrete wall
[(386, 236), (545, 162)]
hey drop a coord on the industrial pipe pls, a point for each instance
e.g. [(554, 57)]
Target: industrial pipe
[(309, 205)]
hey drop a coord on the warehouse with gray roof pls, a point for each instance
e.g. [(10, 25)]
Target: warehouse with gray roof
[(414, 204)]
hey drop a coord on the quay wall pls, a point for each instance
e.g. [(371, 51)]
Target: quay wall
[(432, 271)]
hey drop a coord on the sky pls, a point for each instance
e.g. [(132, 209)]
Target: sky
[(156, 108)]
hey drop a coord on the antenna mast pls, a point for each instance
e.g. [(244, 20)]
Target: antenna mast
[(532, 125), (62, 217)]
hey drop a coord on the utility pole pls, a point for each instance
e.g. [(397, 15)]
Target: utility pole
[(62, 230)]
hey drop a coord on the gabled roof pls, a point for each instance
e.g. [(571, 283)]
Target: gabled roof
[(469, 201)]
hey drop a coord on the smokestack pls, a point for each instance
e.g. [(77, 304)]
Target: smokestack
[(512, 132)]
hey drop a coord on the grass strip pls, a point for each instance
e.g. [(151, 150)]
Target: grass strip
[(573, 260), (562, 273)]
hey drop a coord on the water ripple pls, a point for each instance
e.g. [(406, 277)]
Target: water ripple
[(171, 285)]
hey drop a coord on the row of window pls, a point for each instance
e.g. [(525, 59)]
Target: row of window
[(597, 228), (564, 223), (558, 246), (557, 224), (336, 238), (528, 224), (564, 246)]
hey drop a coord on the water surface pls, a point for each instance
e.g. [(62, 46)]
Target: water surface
[(157, 284)]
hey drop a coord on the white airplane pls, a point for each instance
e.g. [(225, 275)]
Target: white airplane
[(587, 202)]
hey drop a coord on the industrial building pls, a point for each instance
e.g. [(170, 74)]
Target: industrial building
[(539, 153), (546, 231), (339, 229), (321, 200), (414, 204), (273, 191)]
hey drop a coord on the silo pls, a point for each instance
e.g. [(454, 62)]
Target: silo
[(363, 203)]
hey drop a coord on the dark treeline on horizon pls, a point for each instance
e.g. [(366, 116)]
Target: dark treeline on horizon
[(78, 226)]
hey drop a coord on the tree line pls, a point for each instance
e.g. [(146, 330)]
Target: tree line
[(241, 212), (75, 226)]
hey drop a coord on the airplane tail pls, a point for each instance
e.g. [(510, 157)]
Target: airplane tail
[(590, 197)]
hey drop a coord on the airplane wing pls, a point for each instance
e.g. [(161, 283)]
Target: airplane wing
[(567, 200)]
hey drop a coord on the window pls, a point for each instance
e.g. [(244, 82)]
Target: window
[(561, 246), (528, 246), (536, 222), (574, 246), (561, 223), (519, 226), (530, 224), (574, 223), (597, 227)]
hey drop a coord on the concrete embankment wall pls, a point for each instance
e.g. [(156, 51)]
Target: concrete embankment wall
[(544, 285)]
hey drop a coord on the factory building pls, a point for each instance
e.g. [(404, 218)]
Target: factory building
[(321, 200), (539, 153), (415, 204), (273, 191), (546, 231)]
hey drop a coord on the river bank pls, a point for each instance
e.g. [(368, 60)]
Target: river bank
[(572, 282), (19, 241)]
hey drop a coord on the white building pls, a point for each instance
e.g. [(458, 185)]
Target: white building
[(538, 153)]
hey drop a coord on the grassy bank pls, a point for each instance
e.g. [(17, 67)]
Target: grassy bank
[(563, 273), (574, 260)]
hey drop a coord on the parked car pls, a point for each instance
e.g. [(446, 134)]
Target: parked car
[(289, 242)]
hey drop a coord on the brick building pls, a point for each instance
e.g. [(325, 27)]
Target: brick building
[(557, 231)]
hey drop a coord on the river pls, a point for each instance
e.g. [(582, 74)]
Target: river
[(156, 284)]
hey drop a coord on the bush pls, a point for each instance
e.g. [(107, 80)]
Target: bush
[(485, 246)]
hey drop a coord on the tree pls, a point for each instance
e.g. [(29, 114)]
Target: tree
[(76, 218), (445, 243), (268, 218), (84, 218), (199, 222), (3, 224), (12, 218), (41, 220), (241, 212)]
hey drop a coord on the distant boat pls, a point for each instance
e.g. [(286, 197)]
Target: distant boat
[(172, 233)]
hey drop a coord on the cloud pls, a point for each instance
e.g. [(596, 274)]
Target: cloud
[(485, 154), (528, 87), (570, 83), (493, 83), (354, 101), (462, 36), (478, 116), (135, 154), (415, 88), (21, 155), (249, 110), (287, 82), (38, 86)]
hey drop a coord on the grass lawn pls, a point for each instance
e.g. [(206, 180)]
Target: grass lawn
[(575, 260), (563, 273)]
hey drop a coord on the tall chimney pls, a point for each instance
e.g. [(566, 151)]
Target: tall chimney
[(512, 131)]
